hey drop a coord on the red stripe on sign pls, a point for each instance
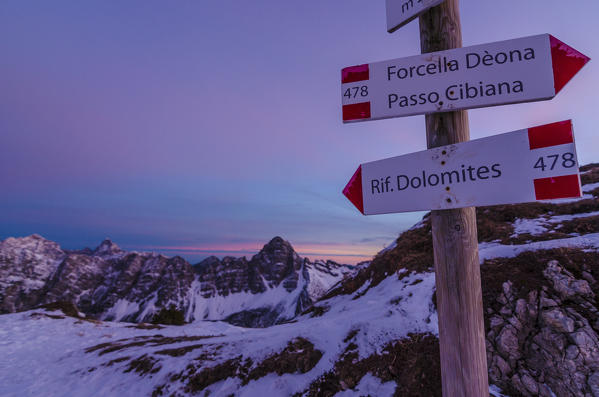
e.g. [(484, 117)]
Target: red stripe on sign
[(566, 62), (557, 187), (356, 111), (355, 73), (353, 190), (550, 134)]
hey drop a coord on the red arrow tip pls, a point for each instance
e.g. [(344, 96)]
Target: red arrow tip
[(566, 62), (353, 190)]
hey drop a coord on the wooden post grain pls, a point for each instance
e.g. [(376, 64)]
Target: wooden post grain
[(457, 269)]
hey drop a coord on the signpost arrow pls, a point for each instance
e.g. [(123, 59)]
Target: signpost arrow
[(538, 163), (521, 70), (400, 12)]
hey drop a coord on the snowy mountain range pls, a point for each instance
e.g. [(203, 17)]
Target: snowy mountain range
[(110, 284), (374, 333)]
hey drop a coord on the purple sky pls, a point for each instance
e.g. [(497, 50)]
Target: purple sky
[(208, 127)]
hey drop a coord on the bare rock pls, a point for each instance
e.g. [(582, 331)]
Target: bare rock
[(564, 283), (521, 309), (507, 342), (503, 366), (545, 345), (545, 391), (546, 303), (572, 352), (558, 320), (593, 382), (589, 277), (530, 384), (496, 322)]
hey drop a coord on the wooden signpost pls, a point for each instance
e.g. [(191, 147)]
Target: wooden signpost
[(441, 83), (538, 163), (400, 12), (455, 241)]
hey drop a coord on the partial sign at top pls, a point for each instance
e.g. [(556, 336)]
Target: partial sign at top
[(400, 12), (522, 70)]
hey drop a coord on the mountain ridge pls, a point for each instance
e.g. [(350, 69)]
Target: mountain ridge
[(112, 284)]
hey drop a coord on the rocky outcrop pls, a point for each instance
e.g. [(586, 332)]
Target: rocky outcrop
[(139, 285), (277, 271), (26, 264), (276, 264), (545, 343)]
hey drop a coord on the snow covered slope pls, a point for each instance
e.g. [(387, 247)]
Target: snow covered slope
[(109, 359), (323, 275)]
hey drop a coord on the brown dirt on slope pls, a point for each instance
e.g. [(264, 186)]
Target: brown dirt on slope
[(413, 363), (299, 356)]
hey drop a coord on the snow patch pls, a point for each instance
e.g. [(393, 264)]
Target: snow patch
[(121, 309), (218, 307), (495, 250), (540, 225), (370, 386), (323, 276), (569, 200), (590, 187), (532, 226), (495, 391)]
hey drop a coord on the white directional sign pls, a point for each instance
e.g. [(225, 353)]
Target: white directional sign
[(534, 164), (522, 70), (400, 12)]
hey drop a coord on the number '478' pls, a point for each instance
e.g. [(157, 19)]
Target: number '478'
[(353, 92), (567, 161)]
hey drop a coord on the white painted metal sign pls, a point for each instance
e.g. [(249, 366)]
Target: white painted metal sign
[(534, 164), (400, 12), (522, 70)]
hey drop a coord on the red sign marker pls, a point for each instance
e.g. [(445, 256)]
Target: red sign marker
[(557, 187), (355, 73), (550, 135), (566, 62), (353, 190)]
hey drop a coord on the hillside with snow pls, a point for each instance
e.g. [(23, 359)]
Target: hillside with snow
[(374, 333)]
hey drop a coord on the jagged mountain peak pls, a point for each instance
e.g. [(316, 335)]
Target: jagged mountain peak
[(31, 238), (35, 236), (32, 243), (277, 250), (210, 261), (277, 242), (107, 248)]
